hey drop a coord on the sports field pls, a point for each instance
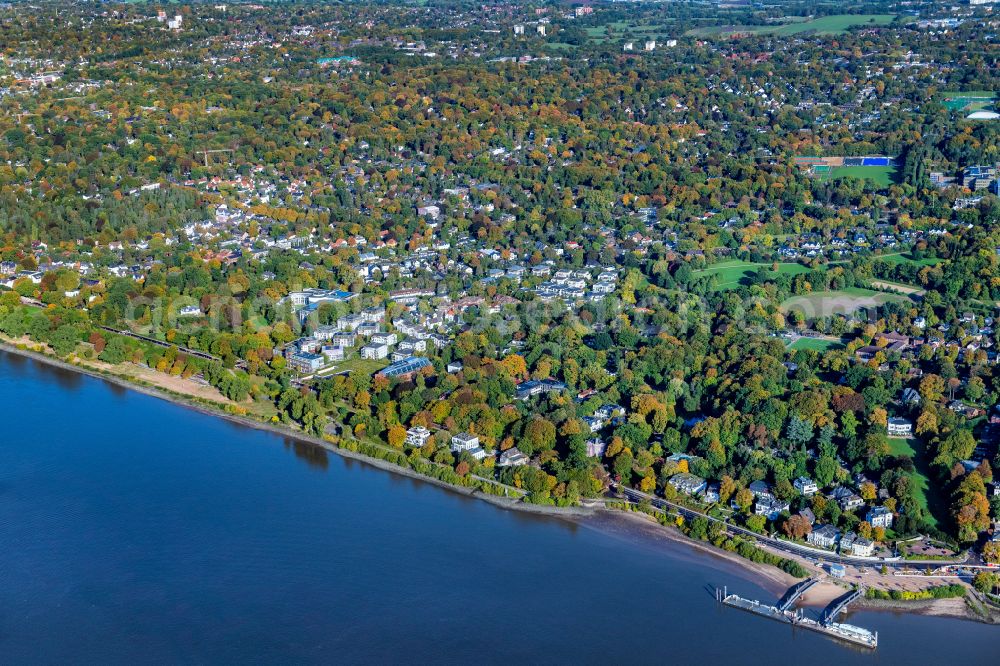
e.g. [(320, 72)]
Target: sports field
[(732, 273), (883, 176), (836, 24), (843, 301), (880, 169), (974, 100)]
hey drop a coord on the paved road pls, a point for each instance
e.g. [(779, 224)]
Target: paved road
[(161, 343), (779, 544), (240, 363)]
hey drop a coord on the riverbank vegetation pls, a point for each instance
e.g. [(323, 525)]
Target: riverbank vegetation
[(940, 592)]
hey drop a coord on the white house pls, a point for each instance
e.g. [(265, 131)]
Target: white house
[(689, 484), (825, 536), (761, 490), (375, 351), (332, 353), (596, 447), (805, 486), (769, 507), (900, 427), (879, 516), (417, 436), (464, 441), (863, 547), (305, 362), (387, 339), (856, 545), (413, 345), (512, 458)]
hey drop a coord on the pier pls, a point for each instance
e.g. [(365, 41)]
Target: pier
[(794, 592), (783, 613), (838, 606)]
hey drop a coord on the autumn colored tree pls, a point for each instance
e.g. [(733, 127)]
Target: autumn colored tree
[(797, 526), (397, 436)]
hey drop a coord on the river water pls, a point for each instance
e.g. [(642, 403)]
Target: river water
[(133, 530)]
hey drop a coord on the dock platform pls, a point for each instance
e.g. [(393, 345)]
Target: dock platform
[(845, 632)]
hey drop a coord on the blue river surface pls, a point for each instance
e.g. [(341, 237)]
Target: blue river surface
[(133, 530)]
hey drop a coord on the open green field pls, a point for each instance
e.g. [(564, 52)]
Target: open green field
[(628, 29), (835, 24), (732, 273), (843, 301), (815, 344), (883, 176)]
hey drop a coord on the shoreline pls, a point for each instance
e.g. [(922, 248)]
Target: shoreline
[(614, 522), (279, 429)]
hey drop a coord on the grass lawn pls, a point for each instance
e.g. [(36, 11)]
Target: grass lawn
[(834, 24), (900, 446), (817, 344), (843, 301), (358, 364), (732, 273), (923, 485), (928, 496)]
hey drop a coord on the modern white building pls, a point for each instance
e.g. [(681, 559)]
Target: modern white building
[(417, 436), (464, 441), (805, 486), (387, 339), (375, 352)]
